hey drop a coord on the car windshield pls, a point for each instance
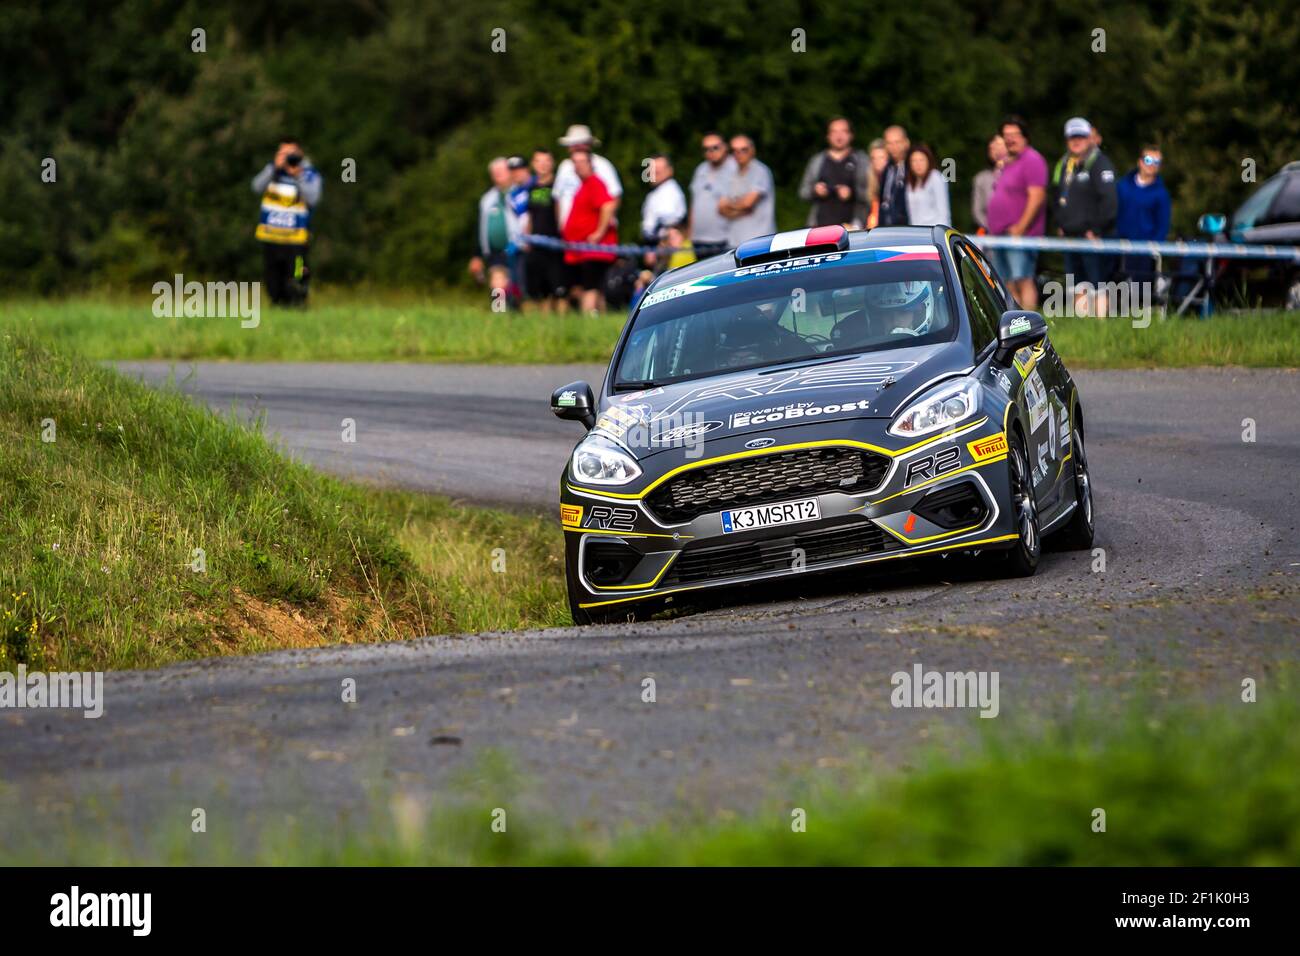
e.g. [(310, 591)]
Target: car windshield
[(866, 300)]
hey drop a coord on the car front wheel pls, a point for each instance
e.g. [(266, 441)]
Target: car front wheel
[(1022, 557)]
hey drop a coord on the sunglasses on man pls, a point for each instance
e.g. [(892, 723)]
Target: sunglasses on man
[(1150, 161)]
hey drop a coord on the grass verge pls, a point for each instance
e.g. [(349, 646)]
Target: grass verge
[(1252, 339), (396, 328), (138, 529), (1208, 786), (337, 329)]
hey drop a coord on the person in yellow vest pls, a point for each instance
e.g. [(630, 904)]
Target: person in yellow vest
[(290, 187)]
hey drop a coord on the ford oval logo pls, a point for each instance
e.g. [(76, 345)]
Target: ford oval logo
[(760, 442)]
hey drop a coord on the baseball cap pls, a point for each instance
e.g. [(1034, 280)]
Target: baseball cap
[(516, 162), (1077, 126)]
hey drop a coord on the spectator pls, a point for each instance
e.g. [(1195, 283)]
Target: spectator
[(927, 190), (576, 139), (591, 220), (674, 251), (519, 178), (1144, 212), (517, 196), (835, 180), (748, 202), (544, 271), (665, 204), (982, 189), (290, 188), (893, 181), (498, 231), (707, 225), (879, 160), (1086, 208), (1018, 207)]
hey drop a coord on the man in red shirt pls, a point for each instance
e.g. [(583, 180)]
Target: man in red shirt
[(591, 220)]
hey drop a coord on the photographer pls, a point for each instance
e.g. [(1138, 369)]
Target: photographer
[(290, 187)]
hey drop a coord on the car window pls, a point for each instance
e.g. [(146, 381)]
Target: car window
[(992, 276), (1256, 206), (984, 310), (777, 312), (1286, 207)]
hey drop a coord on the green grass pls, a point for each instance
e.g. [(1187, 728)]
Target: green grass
[(1216, 785), (1253, 339), (340, 329), (99, 529), (342, 326)]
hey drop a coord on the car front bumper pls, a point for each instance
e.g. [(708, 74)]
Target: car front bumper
[(944, 492)]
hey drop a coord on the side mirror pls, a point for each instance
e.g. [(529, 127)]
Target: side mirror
[(1016, 329), (1212, 223), (575, 402)]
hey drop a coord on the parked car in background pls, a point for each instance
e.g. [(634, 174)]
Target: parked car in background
[(1270, 216)]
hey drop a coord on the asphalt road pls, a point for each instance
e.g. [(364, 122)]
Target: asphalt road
[(755, 702), (478, 433)]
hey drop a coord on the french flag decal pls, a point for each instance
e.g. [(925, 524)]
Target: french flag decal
[(793, 241)]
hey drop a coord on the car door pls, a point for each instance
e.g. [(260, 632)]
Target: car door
[(1035, 375)]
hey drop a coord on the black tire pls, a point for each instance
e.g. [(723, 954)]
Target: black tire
[(1077, 535), (1021, 559)]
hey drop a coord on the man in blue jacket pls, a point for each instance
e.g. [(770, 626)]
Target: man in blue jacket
[(1144, 211)]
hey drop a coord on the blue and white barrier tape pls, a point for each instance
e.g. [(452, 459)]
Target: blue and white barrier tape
[(1202, 250), (550, 242)]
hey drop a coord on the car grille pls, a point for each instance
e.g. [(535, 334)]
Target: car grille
[(764, 479), (778, 554)]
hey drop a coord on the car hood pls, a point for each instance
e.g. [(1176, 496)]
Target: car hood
[(869, 385)]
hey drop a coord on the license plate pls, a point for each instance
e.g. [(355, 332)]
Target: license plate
[(767, 516)]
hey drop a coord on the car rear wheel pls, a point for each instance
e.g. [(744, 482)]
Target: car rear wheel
[(1077, 535), (1022, 557)]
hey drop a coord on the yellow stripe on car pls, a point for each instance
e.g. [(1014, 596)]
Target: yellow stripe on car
[(777, 449), (930, 481)]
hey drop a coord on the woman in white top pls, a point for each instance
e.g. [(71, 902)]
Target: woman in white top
[(927, 191)]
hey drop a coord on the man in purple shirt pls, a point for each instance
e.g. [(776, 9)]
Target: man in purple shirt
[(1018, 208)]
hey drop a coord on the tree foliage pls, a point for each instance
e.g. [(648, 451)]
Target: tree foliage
[(155, 144)]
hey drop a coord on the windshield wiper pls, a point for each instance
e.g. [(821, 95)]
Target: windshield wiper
[(634, 386)]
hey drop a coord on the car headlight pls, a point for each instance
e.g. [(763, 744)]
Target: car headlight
[(946, 404), (600, 462)]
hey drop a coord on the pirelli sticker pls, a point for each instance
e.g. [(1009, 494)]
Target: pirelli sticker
[(983, 448), (571, 516)]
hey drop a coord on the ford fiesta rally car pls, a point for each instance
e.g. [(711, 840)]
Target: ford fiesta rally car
[(819, 399)]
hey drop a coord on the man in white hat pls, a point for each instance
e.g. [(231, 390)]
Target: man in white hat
[(578, 138)]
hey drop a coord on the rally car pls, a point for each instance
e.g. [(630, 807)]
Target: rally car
[(817, 400)]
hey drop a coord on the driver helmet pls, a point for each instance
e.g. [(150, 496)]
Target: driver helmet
[(907, 307)]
